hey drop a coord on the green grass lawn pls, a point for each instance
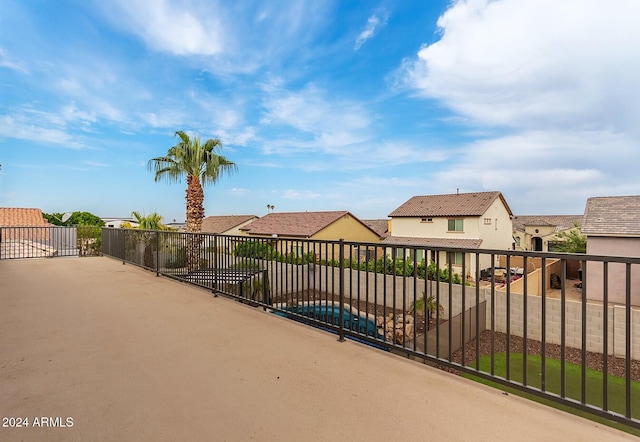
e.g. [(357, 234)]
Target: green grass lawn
[(573, 373)]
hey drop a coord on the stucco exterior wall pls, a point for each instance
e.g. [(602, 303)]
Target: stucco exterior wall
[(349, 229), (498, 234), (236, 230), (612, 246), (546, 233)]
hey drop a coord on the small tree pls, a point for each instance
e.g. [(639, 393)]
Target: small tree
[(427, 303), (148, 222), (76, 219), (571, 241)]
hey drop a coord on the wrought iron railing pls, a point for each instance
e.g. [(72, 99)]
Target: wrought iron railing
[(565, 327), (49, 241)]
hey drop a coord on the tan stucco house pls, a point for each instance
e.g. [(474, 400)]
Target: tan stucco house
[(226, 224), (539, 233), (612, 227), (327, 225), (460, 220)]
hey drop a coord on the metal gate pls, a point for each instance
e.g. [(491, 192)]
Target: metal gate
[(49, 241)]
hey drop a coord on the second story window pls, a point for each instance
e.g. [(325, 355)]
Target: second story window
[(455, 225)]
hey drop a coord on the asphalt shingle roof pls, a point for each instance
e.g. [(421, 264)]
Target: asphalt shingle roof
[(612, 215), (456, 204), (220, 224), (11, 216)]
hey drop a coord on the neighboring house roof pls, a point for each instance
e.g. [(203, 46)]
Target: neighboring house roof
[(130, 219), (456, 204), (221, 224), (302, 224), (380, 226), (560, 222), (434, 242), (10, 216), (612, 216)]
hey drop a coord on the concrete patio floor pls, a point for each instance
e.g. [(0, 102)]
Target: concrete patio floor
[(130, 356)]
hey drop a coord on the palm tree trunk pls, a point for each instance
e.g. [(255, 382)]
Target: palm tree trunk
[(195, 214)]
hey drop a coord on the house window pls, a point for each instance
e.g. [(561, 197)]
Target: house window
[(487, 221), (419, 255), (426, 220), (455, 225), (454, 258), (518, 241)]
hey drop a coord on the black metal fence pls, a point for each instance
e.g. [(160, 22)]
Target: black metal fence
[(565, 327), (49, 241)]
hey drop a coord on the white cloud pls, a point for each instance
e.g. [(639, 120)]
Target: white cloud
[(227, 37), (561, 78), (96, 164), (524, 64), (164, 25), (331, 124), (374, 23), (22, 127), (300, 194), (557, 170), (7, 62), (341, 134)]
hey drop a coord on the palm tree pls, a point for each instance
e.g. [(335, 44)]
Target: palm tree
[(148, 222), (202, 165), (427, 303)]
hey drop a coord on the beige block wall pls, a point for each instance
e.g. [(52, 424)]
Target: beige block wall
[(593, 321)]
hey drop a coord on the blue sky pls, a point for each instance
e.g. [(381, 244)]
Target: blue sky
[(323, 105)]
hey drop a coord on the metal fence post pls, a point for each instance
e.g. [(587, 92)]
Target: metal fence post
[(214, 290), (157, 253), (341, 289)]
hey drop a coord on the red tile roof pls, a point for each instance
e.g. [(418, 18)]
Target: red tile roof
[(221, 224), (456, 204), (11, 216), (434, 242), (299, 224), (612, 216)]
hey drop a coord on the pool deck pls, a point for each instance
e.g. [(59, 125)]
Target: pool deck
[(127, 355)]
